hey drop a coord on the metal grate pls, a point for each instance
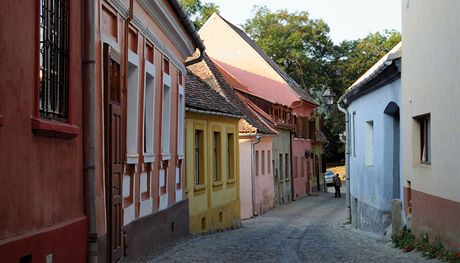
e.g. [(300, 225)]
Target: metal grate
[(54, 59)]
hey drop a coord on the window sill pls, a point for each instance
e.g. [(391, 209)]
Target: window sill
[(54, 129), (199, 188), (165, 156), (149, 157), (425, 164), (1, 120), (287, 179), (217, 183), (231, 181), (132, 158)]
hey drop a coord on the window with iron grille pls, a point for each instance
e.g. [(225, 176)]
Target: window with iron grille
[(54, 59)]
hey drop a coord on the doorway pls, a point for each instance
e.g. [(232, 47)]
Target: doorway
[(113, 152)]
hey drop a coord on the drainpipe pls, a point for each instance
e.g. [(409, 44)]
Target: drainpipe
[(253, 175), (88, 70), (292, 164), (347, 158)]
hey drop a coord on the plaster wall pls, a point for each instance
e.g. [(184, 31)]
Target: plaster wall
[(212, 204), (281, 146), (302, 179), (230, 51), (372, 184), (246, 178), (41, 172), (430, 79), (264, 188)]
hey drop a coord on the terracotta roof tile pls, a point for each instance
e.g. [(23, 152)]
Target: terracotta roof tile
[(208, 72), (200, 96)]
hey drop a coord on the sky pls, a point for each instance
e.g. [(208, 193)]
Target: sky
[(347, 19)]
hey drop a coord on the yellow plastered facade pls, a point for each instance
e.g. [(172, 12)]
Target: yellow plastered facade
[(213, 204)]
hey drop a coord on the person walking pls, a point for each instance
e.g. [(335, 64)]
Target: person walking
[(337, 184)]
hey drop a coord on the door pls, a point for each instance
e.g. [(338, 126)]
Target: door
[(113, 153)]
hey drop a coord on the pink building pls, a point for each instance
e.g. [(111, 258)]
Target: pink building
[(286, 105)]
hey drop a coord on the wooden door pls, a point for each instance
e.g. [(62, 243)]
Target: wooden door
[(113, 153)]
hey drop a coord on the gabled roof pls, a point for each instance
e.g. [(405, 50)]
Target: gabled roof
[(365, 83), (291, 82), (207, 71), (200, 97)]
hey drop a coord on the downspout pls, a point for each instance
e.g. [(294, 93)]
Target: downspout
[(88, 70), (292, 164), (347, 158), (253, 175)]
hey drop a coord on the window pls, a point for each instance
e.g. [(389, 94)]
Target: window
[(199, 158), (425, 138), (295, 166), (180, 122), (281, 166), (369, 143), (54, 59), (166, 113), (257, 163), (149, 116), (269, 156), (133, 107), (354, 138), (216, 145), (286, 165), (263, 162), (230, 156)]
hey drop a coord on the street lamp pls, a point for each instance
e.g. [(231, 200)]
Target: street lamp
[(328, 97)]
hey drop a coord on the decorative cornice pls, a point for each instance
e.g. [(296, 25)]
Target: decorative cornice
[(159, 13), (120, 7), (158, 44)]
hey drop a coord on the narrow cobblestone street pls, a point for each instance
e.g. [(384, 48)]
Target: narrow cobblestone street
[(308, 230)]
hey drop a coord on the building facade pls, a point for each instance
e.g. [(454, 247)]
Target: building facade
[(135, 127), (255, 142), (257, 78), (373, 104), (212, 159), (430, 119), (41, 133)]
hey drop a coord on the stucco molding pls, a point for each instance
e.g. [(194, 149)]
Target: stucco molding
[(160, 14), (158, 44), (120, 7)]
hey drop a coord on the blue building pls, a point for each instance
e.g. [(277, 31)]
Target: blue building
[(374, 153)]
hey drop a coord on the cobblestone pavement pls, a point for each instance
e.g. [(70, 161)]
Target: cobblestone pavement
[(308, 230)]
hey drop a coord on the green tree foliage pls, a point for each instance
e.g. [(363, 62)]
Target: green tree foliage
[(199, 12), (299, 44), (303, 49)]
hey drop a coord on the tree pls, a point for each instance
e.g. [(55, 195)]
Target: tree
[(301, 46), (199, 12)]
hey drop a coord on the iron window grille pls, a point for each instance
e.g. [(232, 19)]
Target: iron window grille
[(54, 59)]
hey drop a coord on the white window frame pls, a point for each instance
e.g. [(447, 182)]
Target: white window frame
[(166, 118), (149, 112), (132, 119), (180, 123)]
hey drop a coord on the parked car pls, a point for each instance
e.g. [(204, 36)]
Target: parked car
[(328, 177)]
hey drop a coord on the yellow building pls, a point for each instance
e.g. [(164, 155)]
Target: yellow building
[(212, 161)]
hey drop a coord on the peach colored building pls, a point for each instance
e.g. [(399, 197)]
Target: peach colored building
[(135, 126), (259, 80), (430, 119), (255, 143)]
